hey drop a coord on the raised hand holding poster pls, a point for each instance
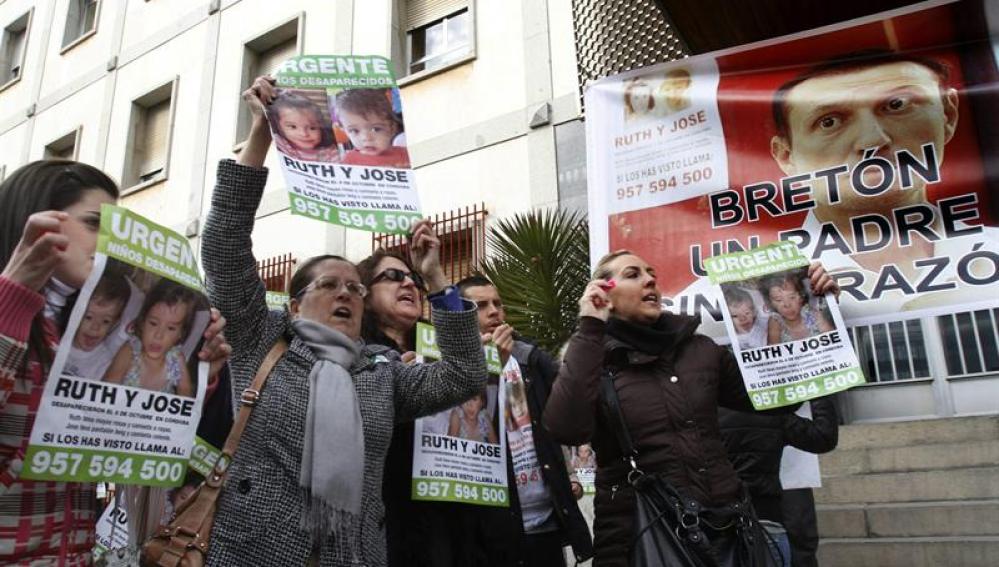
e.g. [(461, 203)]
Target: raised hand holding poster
[(123, 398), (791, 345)]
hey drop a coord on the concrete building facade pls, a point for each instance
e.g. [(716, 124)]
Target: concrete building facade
[(149, 91)]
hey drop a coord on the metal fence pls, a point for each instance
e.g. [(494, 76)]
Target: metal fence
[(276, 272), (463, 240)]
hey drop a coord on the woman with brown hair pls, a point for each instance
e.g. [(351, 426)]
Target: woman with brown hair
[(306, 481), (669, 382), (50, 212)]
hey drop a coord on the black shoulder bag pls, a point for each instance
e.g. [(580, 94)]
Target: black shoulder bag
[(672, 529)]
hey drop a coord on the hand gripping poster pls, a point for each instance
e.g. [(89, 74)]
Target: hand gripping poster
[(871, 145), (459, 454), (338, 129), (123, 398), (791, 345)]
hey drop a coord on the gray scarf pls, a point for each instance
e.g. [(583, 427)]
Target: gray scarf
[(332, 471)]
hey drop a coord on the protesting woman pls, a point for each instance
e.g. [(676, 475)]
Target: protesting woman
[(306, 481), (393, 307), (667, 383), (49, 217)]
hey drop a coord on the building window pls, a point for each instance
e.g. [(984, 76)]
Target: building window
[(462, 233), (65, 147), (438, 33), (570, 165), (81, 21), (149, 137), (971, 342), (262, 56), (889, 352), (12, 47)]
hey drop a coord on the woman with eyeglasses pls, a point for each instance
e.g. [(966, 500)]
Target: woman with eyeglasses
[(306, 481), (392, 309)]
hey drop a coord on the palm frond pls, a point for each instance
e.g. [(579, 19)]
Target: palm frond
[(540, 265)]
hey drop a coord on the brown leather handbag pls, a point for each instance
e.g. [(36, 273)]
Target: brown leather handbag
[(184, 541)]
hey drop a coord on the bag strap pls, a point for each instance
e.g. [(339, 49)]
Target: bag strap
[(250, 396), (616, 419), (184, 532)]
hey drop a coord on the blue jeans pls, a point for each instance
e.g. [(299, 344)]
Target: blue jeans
[(780, 545)]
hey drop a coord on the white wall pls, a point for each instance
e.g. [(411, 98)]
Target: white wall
[(467, 126)]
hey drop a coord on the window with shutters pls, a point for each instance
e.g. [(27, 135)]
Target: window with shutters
[(65, 147), (149, 138), (12, 47), (438, 33), (261, 56), (81, 22)]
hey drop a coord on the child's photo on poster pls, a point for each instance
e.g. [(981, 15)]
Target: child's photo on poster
[(302, 126), (369, 127)]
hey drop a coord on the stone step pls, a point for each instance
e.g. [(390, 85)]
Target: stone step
[(924, 519), (927, 431), (953, 484), (912, 458), (966, 551)]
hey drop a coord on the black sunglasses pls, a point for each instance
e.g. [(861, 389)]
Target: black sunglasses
[(396, 275)]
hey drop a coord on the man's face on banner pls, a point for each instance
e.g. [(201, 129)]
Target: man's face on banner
[(832, 119)]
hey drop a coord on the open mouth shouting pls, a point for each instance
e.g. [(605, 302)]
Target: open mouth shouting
[(651, 298), (342, 313), (406, 297)]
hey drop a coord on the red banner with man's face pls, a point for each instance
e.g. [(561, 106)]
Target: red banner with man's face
[(870, 144)]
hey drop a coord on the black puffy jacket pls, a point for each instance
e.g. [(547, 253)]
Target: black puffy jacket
[(756, 441)]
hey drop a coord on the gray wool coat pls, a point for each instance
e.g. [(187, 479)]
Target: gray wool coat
[(258, 518)]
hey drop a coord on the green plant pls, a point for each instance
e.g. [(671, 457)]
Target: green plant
[(540, 264)]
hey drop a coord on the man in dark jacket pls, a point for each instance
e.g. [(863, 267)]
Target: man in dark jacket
[(756, 441), (543, 514)]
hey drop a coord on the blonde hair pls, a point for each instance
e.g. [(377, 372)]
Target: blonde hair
[(601, 271)]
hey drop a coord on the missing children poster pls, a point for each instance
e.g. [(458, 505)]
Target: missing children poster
[(870, 145), (338, 129), (791, 345), (459, 454), (123, 398)]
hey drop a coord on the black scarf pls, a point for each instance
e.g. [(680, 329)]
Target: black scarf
[(651, 339)]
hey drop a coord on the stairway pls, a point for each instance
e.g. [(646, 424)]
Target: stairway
[(912, 494)]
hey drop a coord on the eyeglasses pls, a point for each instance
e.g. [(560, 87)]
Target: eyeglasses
[(396, 275), (332, 285)]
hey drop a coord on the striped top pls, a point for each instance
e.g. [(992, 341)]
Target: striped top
[(41, 523)]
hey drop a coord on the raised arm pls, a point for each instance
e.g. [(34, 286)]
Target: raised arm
[(423, 389), (234, 286), (571, 412), (817, 435), (41, 248), (18, 307)]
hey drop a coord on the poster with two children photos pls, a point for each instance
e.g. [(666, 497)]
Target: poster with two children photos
[(123, 398), (337, 124), (791, 345)]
